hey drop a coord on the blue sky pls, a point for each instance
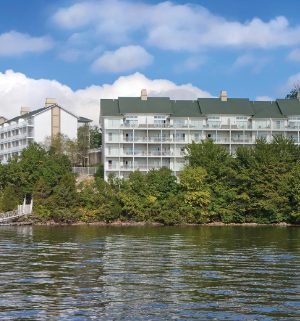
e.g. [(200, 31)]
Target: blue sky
[(107, 48)]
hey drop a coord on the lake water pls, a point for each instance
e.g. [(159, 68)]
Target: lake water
[(149, 273)]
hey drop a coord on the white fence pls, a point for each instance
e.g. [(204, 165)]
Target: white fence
[(22, 210), (87, 171)]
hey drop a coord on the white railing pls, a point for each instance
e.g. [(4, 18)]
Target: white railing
[(22, 210), (85, 171)]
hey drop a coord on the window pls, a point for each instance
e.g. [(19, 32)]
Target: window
[(180, 122), (197, 137), (294, 122), (213, 118), (131, 121), (110, 137), (160, 118), (213, 121)]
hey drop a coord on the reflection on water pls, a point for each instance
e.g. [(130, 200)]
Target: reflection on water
[(187, 273)]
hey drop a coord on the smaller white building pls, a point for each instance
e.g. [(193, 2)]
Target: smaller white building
[(36, 126)]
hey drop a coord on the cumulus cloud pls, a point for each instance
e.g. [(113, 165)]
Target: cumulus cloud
[(123, 59), (294, 55), (16, 90), (15, 44), (172, 26), (292, 82)]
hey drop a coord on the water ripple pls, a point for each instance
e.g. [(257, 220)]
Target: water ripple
[(98, 273)]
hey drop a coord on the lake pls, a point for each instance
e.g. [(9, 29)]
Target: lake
[(149, 273)]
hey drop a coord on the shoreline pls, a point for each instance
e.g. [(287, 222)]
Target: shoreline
[(146, 224)]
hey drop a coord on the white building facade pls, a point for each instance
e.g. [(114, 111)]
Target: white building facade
[(35, 126), (143, 133)]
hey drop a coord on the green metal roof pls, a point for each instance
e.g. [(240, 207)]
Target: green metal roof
[(109, 107), (266, 109), (153, 105), (233, 106), (289, 107), (201, 107), (186, 108)]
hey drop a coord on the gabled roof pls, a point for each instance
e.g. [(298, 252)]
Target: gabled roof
[(202, 107), (266, 109), (186, 108), (27, 115), (38, 111), (109, 107), (233, 106), (153, 105), (84, 120), (289, 107)]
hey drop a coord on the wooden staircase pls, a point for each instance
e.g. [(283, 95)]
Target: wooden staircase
[(22, 210)]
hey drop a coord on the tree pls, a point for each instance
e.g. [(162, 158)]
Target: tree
[(62, 145), (196, 192), (221, 176), (95, 137), (83, 144), (294, 92), (10, 198), (64, 194), (265, 176)]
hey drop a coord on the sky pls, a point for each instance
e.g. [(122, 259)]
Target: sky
[(79, 51)]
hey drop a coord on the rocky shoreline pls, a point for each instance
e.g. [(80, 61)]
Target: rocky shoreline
[(150, 224)]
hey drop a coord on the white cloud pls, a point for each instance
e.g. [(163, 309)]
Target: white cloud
[(293, 82), (15, 43), (248, 60), (191, 64), (167, 25), (16, 90), (294, 55), (264, 98), (123, 59), (244, 60)]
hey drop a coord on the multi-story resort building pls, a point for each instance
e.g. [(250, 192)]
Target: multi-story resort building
[(36, 126), (142, 133)]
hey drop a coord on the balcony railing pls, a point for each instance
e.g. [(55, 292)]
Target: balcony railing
[(195, 126), (16, 126)]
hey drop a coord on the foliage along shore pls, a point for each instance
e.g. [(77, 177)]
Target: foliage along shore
[(37, 222), (260, 184)]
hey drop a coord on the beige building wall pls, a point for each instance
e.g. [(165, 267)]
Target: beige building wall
[(55, 121)]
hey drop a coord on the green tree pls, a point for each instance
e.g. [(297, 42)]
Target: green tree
[(10, 198), (64, 194), (293, 92), (83, 144), (265, 177), (196, 192), (95, 137), (221, 177)]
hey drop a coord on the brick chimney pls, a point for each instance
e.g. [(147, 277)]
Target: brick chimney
[(144, 95), (2, 120), (223, 95), (25, 110), (50, 102)]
